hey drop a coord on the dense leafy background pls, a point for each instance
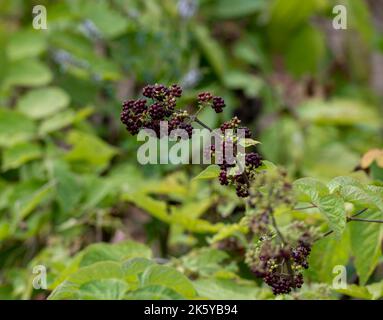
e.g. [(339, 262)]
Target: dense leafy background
[(69, 177)]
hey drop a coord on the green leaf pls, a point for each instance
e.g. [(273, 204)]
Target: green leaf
[(207, 261), (332, 206), (168, 277), (310, 190), (355, 291), (43, 102), (228, 289), (341, 112), (114, 252), (326, 254), (26, 204), (308, 39), (211, 172), (15, 128), (109, 21), (154, 292), (28, 73), (69, 289), (133, 268), (89, 152), (97, 271), (365, 245), (211, 49), (351, 190), (25, 44), (247, 142), (225, 9), (63, 119), (17, 155), (104, 289), (68, 188)]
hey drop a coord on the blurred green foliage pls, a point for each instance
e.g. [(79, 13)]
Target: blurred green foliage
[(69, 175)]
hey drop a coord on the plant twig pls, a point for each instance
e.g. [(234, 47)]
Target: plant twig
[(195, 119), (352, 218), (365, 220)]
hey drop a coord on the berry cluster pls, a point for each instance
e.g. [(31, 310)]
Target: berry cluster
[(217, 103), (138, 114), (275, 263), (277, 259)]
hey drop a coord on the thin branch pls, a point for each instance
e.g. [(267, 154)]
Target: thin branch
[(195, 119), (365, 220), (352, 218), (359, 212)]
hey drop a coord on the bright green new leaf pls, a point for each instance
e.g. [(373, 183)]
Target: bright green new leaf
[(310, 190), (168, 277), (15, 127), (28, 73), (17, 155), (332, 206), (43, 102), (114, 252), (365, 245), (211, 172)]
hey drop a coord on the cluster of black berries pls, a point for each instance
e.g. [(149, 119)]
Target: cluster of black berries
[(159, 105), (277, 259), (139, 114), (275, 264), (217, 103), (228, 175)]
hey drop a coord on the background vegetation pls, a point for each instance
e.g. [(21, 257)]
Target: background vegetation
[(69, 175)]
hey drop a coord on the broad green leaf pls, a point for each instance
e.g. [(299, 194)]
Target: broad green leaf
[(211, 172), (332, 206), (68, 188), (63, 119), (106, 19), (28, 73), (97, 271), (69, 289), (168, 277), (365, 245), (104, 289), (134, 267), (351, 190), (29, 202), (326, 254), (207, 261), (43, 102), (15, 127), (355, 291), (310, 190), (25, 44), (373, 291), (88, 151), (114, 252), (227, 289), (17, 155), (154, 292)]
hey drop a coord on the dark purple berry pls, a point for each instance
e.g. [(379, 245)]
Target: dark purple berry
[(218, 104)]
